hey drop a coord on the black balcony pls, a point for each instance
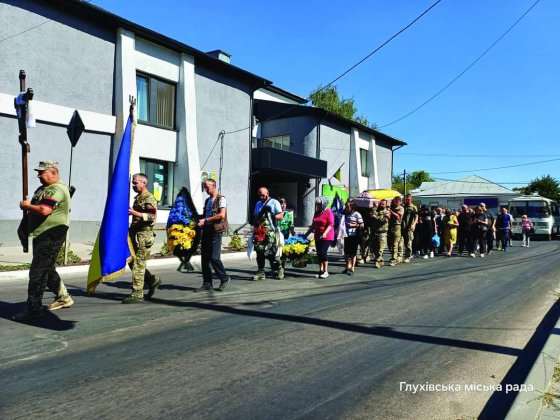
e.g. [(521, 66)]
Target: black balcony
[(267, 160)]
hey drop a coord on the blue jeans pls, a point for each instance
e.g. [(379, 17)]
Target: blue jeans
[(503, 237)]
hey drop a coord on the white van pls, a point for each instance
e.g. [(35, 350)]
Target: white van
[(542, 211)]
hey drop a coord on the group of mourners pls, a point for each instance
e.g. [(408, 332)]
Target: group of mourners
[(363, 232), (409, 231), (361, 228)]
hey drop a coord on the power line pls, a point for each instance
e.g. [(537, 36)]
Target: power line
[(461, 156), (351, 68), (36, 26), (464, 71), (382, 45), (500, 167)]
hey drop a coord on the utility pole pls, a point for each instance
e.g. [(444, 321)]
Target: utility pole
[(404, 181)]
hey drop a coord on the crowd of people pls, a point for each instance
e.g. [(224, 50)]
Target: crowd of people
[(406, 231), (361, 233)]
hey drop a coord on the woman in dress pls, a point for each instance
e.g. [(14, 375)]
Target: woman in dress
[(450, 225)]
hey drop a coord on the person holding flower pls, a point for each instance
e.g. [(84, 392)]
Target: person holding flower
[(286, 227), (267, 216), (323, 231)]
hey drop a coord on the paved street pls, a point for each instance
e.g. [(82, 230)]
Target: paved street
[(344, 347)]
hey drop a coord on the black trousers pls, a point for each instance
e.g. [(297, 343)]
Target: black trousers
[(210, 255), (274, 261)]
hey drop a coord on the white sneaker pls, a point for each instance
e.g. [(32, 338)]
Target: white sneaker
[(472, 255), (431, 254), (425, 257), (324, 275), (481, 255)]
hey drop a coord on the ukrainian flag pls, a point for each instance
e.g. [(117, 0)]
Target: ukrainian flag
[(112, 249)]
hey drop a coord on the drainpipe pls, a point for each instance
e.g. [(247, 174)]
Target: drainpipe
[(393, 161), (251, 103)]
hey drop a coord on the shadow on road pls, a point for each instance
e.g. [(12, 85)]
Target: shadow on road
[(344, 326), (49, 321), (500, 403)]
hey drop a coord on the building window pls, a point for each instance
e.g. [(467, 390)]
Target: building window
[(277, 142), (159, 179), (363, 161), (155, 101)]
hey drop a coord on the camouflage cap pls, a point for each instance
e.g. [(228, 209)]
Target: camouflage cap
[(46, 164)]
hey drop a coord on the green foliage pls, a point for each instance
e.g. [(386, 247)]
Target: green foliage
[(72, 257), (15, 267), (545, 186), (329, 99), (413, 181), (164, 250), (236, 243)]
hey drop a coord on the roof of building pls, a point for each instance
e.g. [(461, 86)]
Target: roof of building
[(471, 185), (102, 17), (276, 110)]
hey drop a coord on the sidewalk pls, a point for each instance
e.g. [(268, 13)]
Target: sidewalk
[(14, 255)]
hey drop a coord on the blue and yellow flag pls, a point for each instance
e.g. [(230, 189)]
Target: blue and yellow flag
[(112, 250)]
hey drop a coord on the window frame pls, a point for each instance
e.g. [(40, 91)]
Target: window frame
[(364, 165), (167, 191), (151, 101), (284, 141)]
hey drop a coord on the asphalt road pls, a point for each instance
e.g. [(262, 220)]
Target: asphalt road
[(344, 347)]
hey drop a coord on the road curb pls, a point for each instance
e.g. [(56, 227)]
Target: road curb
[(156, 262)]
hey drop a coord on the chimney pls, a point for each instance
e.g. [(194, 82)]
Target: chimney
[(220, 55)]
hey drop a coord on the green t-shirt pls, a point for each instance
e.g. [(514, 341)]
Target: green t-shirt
[(55, 196)]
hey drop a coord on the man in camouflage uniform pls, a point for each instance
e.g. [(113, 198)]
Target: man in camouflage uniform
[(47, 221), (379, 226), (394, 236), (408, 225), (141, 233)]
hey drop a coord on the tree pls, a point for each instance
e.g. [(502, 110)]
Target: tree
[(545, 186), (329, 99), (413, 181)]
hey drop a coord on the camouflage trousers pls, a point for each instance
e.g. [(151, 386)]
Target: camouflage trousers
[(379, 242), (42, 273), (142, 242), (394, 239), (406, 243)]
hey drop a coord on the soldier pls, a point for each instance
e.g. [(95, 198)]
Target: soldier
[(379, 226), (394, 236), (408, 225), (141, 233), (48, 221)]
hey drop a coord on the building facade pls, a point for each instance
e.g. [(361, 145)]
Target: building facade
[(197, 116)]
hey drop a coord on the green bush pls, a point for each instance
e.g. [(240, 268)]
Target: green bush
[(72, 257), (236, 243), (164, 250)]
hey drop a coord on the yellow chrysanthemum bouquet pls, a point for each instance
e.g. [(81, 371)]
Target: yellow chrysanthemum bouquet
[(296, 249)]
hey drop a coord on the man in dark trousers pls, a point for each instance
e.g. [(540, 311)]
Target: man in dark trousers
[(215, 210), (48, 221)]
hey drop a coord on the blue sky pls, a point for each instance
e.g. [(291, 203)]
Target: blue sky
[(504, 111)]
